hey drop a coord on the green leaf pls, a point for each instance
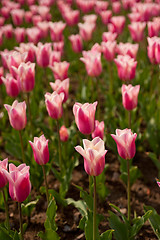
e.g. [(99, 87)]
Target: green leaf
[(89, 226), (102, 189), (138, 223), (154, 220), (80, 205), (107, 235), (4, 234), (48, 235), (121, 231), (119, 211), (51, 213), (82, 223), (134, 175), (54, 194)]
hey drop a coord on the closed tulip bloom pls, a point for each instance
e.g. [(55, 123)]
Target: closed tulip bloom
[(106, 16), (125, 141), (71, 17), (92, 60), (64, 135), (91, 18), (4, 180), (60, 70), (56, 30), (137, 30), (130, 96), (28, 49), (126, 67), (109, 36), (100, 6), (61, 87), (17, 16), (94, 156), (28, 16), (44, 27), (153, 28), (86, 6), (19, 182), (99, 130), (58, 46), (55, 56), (20, 34), (8, 31), (33, 34), (86, 30), (151, 49), (108, 49), (40, 150), (43, 52), (17, 114), (116, 7), (1, 74), (76, 42), (85, 116), (127, 49), (26, 76), (54, 104), (118, 23), (12, 86)]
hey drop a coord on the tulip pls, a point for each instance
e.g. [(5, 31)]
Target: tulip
[(1, 37), (37, 19), (106, 16), (91, 18), (153, 28), (55, 56), (8, 31), (11, 84), (33, 34), (56, 30), (126, 67), (54, 104), (99, 130), (86, 30), (58, 46), (94, 156), (158, 182), (17, 114), (71, 17), (4, 180), (43, 52), (64, 135), (40, 150), (108, 49), (127, 49), (60, 70), (76, 42), (130, 96), (137, 31), (100, 6), (109, 36), (125, 141), (92, 60), (17, 16), (1, 74), (19, 183), (86, 6), (44, 27), (116, 6), (134, 17), (28, 16), (2, 20), (20, 34), (61, 87), (118, 23), (28, 49), (85, 117)]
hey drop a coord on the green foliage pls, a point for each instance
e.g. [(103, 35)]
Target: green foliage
[(28, 206)]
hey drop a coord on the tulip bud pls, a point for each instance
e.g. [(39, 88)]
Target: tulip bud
[(99, 130), (11, 84), (4, 180), (130, 96), (61, 87), (63, 132)]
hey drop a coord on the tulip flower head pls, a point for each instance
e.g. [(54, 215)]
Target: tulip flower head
[(40, 150), (19, 182), (17, 114), (94, 156), (125, 141), (12, 86), (99, 130), (61, 86), (64, 135), (60, 70), (4, 180), (130, 96), (85, 117)]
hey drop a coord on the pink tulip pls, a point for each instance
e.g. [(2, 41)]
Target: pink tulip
[(44, 27), (40, 150), (106, 16), (71, 17), (56, 30), (20, 34), (2, 20), (127, 49), (116, 6), (92, 60), (60, 70), (100, 6), (19, 182), (26, 76), (1, 74), (37, 19), (153, 29), (17, 114), (108, 49), (54, 104), (86, 30), (154, 50), (85, 6), (126, 67), (43, 52), (96, 47), (91, 18), (33, 34), (4, 180), (99, 130), (158, 182), (130, 96), (137, 31), (61, 86), (55, 56), (28, 49), (58, 46), (17, 16), (125, 141), (1, 37), (76, 42), (134, 17), (109, 36), (8, 31), (85, 117), (118, 23), (28, 16), (94, 156), (11, 84), (64, 135)]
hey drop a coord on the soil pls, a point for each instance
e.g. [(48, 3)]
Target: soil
[(144, 191)]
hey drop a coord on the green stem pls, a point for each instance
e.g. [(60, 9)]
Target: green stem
[(59, 146), (20, 220), (46, 184), (6, 210), (22, 146), (29, 108), (90, 185), (110, 78), (129, 191), (98, 97), (94, 209), (129, 119)]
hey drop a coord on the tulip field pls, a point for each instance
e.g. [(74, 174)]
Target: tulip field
[(79, 119)]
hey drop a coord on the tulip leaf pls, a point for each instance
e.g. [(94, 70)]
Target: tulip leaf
[(154, 220), (102, 189), (80, 205), (48, 235), (107, 235), (51, 213), (121, 214)]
